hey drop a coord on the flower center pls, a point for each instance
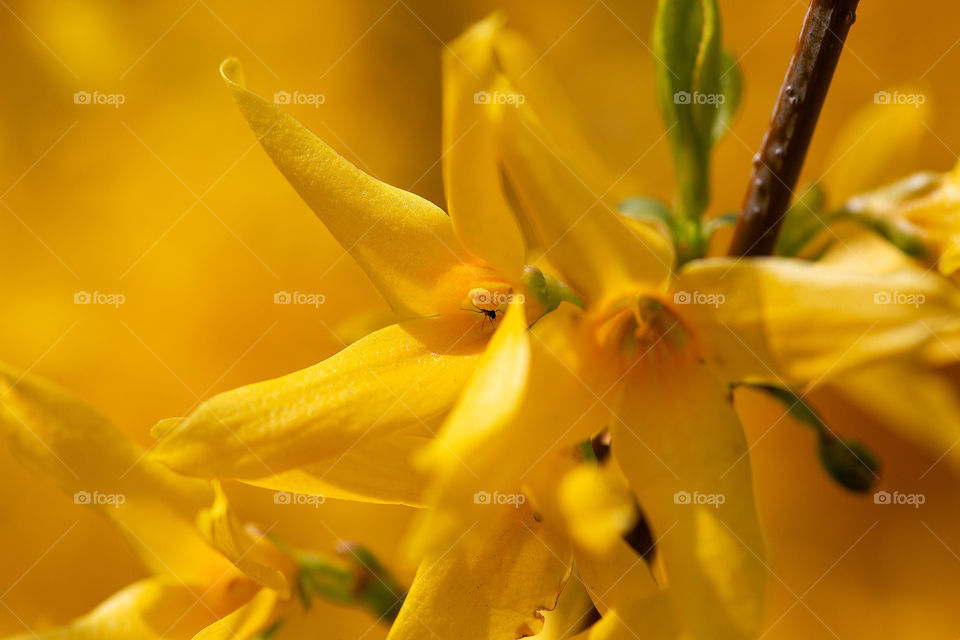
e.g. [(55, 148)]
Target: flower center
[(634, 325)]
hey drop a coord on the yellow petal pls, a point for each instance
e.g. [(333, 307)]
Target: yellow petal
[(916, 402), (246, 622), (482, 219), (404, 243), (598, 509), (528, 397), (598, 253), (574, 611), (638, 619), (398, 377), (682, 449), (561, 112), (938, 213), (379, 470), (59, 436), (250, 551), (495, 592), (792, 321), (152, 609), (876, 146)]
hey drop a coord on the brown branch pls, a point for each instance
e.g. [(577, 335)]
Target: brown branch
[(777, 166)]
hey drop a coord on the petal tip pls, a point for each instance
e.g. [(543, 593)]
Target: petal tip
[(232, 72)]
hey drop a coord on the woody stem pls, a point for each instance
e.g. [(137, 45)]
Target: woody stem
[(777, 165)]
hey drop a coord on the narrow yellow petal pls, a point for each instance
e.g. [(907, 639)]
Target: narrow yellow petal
[(598, 253), (246, 622), (529, 397), (917, 403), (877, 145), (152, 609), (498, 591), (58, 435), (792, 321), (377, 469), (598, 508), (482, 218), (560, 111), (402, 376), (404, 243), (681, 447), (250, 551)]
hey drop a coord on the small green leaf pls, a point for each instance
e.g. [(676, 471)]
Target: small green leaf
[(698, 89), (644, 208), (731, 86), (851, 464), (720, 222)]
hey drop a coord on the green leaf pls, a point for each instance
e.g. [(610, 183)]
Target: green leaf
[(731, 86), (644, 208), (694, 84), (850, 464)]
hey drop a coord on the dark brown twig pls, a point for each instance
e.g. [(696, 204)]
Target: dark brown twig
[(777, 166)]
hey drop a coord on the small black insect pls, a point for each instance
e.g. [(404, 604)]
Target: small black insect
[(490, 314)]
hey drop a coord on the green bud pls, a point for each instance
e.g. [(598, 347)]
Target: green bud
[(547, 290), (850, 463)]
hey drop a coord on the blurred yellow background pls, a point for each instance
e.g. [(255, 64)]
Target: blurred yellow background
[(167, 200)]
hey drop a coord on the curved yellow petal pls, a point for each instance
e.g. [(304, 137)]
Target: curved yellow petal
[(378, 469), (404, 243), (531, 77), (404, 375), (247, 622), (598, 253), (914, 401), (528, 397), (496, 591), (790, 321), (598, 509), (938, 213), (681, 446), (248, 549), (59, 436), (638, 619), (152, 609), (482, 218), (876, 146)]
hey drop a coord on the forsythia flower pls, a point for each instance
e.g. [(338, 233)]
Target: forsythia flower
[(221, 580), (482, 425)]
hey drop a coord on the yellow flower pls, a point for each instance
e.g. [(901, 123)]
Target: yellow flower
[(652, 356), (218, 581)]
